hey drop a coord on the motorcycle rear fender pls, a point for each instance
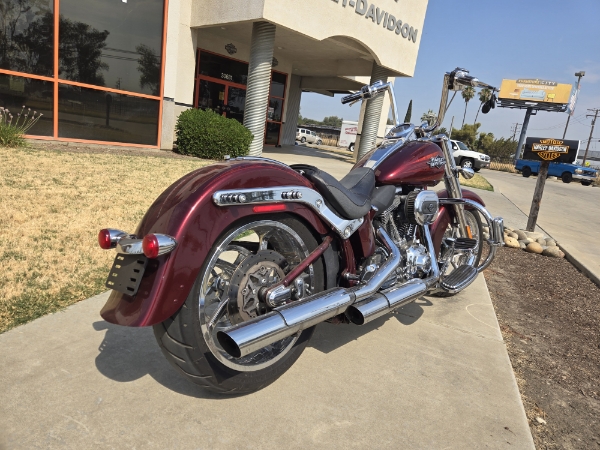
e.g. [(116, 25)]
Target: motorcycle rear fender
[(187, 212), (439, 226)]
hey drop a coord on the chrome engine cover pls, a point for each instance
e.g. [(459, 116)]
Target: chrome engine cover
[(418, 261)]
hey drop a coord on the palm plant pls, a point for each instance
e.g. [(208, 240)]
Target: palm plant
[(430, 117), (467, 94), (484, 95)]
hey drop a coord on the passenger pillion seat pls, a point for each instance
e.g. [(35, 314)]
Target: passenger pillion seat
[(352, 196)]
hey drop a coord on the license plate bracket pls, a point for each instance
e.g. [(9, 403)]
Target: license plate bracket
[(126, 273)]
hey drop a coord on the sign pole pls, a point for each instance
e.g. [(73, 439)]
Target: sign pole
[(523, 134), (537, 196)]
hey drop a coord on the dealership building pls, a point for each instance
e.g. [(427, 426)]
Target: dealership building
[(120, 71)]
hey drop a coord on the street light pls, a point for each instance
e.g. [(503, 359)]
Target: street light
[(578, 75)]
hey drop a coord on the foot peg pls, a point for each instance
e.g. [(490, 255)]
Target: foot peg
[(465, 244), (459, 279)]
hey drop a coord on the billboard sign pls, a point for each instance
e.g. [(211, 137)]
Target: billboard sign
[(535, 90), (549, 149)]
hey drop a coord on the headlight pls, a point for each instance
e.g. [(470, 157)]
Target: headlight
[(578, 171), (482, 157)]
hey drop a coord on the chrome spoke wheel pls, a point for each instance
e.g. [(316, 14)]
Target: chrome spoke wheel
[(253, 256)]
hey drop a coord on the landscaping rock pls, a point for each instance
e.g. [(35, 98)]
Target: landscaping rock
[(529, 240), (541, 241), (521, 234), (534, 247), (486, 235), (511, 242), (534, 234), (523, 245), (553, 252), (550, 242), (514, 235)]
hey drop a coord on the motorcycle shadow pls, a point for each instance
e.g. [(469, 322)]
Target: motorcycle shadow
[(127, 354), (329, 337)]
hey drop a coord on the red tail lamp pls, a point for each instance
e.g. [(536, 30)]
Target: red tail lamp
[(108, 238), (154, 245), (269, 208)]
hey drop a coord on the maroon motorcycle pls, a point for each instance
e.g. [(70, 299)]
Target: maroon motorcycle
[(235, 263)]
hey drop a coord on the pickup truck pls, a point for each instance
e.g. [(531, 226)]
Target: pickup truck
[(467, 158), (566, 172)]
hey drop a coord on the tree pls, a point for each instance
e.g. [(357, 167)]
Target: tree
[(149, 68), (332, 121), (467, 94), (467, 134), (484, 95), (408, 113), (390, 121), (430, 117)]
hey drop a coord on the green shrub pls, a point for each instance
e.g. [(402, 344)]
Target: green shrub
[(10, 136), (206, 134)]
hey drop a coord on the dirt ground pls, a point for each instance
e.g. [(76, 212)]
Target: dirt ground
[(549, 314)]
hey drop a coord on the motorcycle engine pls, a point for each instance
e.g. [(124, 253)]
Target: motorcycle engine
[(400, 222)]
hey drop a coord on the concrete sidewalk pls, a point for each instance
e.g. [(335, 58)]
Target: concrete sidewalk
[(435, 375)]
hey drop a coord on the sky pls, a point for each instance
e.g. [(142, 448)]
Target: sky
[(546, 39)]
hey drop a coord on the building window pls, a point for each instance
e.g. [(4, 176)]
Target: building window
[(221, 87), (109, 72)]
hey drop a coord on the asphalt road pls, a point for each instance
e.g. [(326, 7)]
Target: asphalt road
[(570, 213)]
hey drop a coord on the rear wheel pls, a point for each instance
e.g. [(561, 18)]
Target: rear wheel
[(451, 259), (250, 255), (566, 177), (526, 172), (351, 147)]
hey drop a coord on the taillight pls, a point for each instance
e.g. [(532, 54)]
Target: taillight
[(108, 238), (150, 246), (154, 245)]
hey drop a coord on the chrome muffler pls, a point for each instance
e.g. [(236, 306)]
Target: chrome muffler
[(247, 337)]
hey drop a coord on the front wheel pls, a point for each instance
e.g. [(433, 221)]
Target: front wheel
[(253, 254), (319, 142), (467, 163), (303, 140), (586, 183)]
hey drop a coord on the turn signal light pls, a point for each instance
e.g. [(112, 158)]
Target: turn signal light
[(154, 245), (108, 238)]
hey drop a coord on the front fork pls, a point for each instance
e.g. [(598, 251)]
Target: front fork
[(453, 186)]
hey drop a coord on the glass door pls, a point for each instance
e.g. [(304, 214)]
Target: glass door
[(211, 95), (236, 103)]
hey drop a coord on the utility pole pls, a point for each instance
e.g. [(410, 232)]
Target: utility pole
[(578, 75), (595, 111), (514, 129)]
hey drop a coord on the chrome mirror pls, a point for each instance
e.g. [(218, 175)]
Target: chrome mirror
[(466, 172)]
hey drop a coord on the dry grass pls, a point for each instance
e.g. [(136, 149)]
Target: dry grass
[(477, 182), (53, 204), (503, 166)]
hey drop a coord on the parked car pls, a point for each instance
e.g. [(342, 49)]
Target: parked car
[(468, 158), (303, 135), (566, 172)]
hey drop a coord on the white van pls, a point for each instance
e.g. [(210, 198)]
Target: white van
[(303, 135)]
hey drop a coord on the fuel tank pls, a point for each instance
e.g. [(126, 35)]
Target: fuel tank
[(415, 163)]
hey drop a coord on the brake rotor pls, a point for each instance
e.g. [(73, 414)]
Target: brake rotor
[(262, 270)]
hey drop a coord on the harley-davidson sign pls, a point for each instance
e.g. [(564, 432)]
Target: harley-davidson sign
[(549, 149)]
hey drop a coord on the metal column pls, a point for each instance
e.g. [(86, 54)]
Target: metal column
[(523, 134), (259, 80), (368, 136)]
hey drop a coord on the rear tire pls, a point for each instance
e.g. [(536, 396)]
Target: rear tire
[(351, 147), (191, 346), (526, 172), (566, 177)]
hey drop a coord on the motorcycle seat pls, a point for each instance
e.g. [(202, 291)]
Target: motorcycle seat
[(351, 196)]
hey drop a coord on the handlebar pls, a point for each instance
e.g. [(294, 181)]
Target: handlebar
[(352, 98)]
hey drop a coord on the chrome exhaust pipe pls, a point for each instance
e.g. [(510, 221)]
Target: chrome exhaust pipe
[(247, 337), (385, 302)]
